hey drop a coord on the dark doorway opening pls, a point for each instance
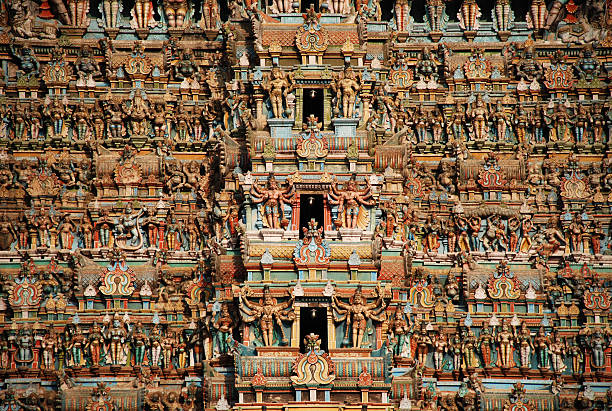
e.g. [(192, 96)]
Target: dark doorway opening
[(313, 320), (311, 207), (313, 105), (306, 5)]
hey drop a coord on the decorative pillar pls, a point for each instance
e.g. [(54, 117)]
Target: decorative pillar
[(299, 108), (295, 213), (327, 220), (331, 330), (295, 330), (326, 109)]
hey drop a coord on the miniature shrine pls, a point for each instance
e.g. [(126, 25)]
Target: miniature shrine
[(276, 205)]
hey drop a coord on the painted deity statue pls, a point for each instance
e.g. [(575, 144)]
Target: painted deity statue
[(116, 336), (422, 342), (400, 332), (525, 345), (273, 199), (25, 344), (224, 325), (155, 343), (505, 342), (139, 342), (440, 344), (468, 347), (479, 114), (557, 354), (542, 345), (356, 314), (485, 341), (95, 343), (350, 200), (278, 84), (597, 343), (269, 313), (346, 86), (49, 350)]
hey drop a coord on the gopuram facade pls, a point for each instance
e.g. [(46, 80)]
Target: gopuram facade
[(328, 204)]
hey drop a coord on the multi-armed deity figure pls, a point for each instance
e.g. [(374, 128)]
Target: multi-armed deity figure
[(273, 199), (346, 86), (269, 313), (278, 85), (350, 200), (139, 113), (356, 313)]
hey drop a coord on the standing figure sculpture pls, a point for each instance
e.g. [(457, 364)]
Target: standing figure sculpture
[(557, 354), (469, 349), (575, 351), (597, 343), (436, 16), (346, 86), (485, 341), (76, 347), (155, 342), (455, 126), (284, 6), (116, 337), (49, 349), (278, 85), (525, 345), (422, 342), (273, 199), (224, 325), (349, 201), (269, 313), (95, 342), (479, 115), (139, 342), (542, 344), (440, 345), (168, 348), (356, 314), (505, 341), (24, 355), (501, 119), (400, 333), (177, 13), (211, 19)]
